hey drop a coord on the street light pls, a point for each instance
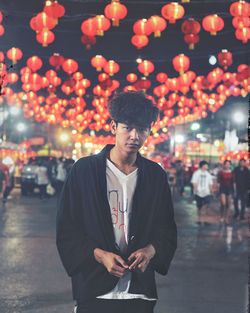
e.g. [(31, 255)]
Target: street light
[(179, 138), (64, 137), (195, 126), (14, 111), (212, 60), (238, 117), (21, 127)]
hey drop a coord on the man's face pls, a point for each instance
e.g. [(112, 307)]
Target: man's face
[(242, 163), (129, 138), (204, 167), (227, 165)]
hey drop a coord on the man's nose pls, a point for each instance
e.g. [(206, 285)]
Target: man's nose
[(134, 133)]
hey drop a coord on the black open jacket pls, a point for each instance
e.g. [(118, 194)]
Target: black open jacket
[(84, 223)]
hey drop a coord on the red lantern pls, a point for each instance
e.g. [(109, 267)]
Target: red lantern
[(102, 77), (173, 84), (1, 17), (161, 77), (70, 66), (25, 77), (191, 26), (142, 84), (35, 79), (56, 81), (56, 60), (213, 24), (131, 78), (139, 41), (50, 74), (215, 76), (45, 37), (181, 63), (78, 76), (225, 59), (146, 67), (240, 9), (34, 63), (172, 12), (12, 78), (161, 91), (191, 40), (44, 82), (241, 22), (243, 34), (111, 67), (115, 11), (156, 24), (54, 9), (43, 21), (89, 27), (1, 30), (141, 27), (105, 84), (85, 83), (102, 24), (88, 41), (66, 89), (186, 79), (98, 62), (14, 54)]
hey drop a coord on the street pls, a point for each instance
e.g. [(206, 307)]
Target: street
[(209, 273)]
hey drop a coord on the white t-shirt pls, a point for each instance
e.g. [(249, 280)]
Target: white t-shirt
[(120, 191), (204, 181), (61, 172), (42, 175)]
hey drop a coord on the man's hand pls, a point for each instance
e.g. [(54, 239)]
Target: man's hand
[(141, 258), (114, 264)]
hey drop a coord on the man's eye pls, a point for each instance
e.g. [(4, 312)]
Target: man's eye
[(142, 130)]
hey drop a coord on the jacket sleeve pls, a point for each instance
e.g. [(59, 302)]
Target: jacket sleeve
[(75, 248), (165, 231)]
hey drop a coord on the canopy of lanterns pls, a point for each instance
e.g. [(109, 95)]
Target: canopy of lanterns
[(55, 90)]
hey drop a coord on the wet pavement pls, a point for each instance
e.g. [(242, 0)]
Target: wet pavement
[(209, 273)]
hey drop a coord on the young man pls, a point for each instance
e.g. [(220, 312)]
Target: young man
[(115, 223), (202, 185)]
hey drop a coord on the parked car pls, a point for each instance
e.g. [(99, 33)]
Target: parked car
[(28, 174)]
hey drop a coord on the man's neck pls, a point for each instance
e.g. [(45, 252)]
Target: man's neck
[(124, 162)]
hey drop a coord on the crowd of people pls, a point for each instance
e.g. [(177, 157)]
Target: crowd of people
[(49, 177), (227, 184)]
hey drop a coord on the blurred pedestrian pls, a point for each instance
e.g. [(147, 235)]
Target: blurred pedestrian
[(115, 224), (226, 190), (203, 187), (2, 180), (241, 180), (42, 179), (60, 175), (4, 177), (10, 182), (179, 177)]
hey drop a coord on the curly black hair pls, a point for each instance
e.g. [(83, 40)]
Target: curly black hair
[(133, 108)]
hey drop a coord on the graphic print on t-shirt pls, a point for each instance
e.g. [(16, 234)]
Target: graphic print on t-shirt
[(117, 213)]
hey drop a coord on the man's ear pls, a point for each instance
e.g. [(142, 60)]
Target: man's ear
[(113, 126)]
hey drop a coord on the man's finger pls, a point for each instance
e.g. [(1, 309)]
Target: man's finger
[(121, 261), (135, 263), (132, 256)]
